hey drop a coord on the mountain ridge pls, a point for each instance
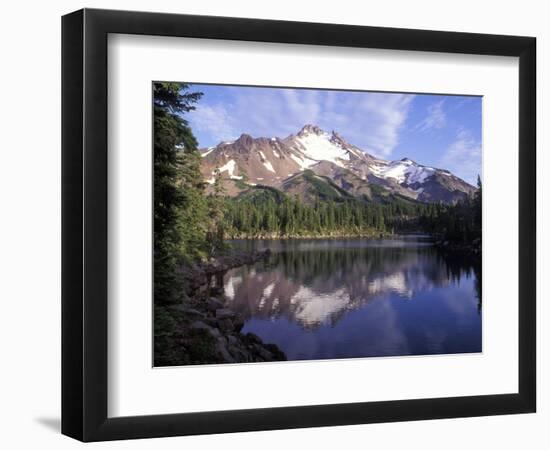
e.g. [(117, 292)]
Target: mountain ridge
[(271, 161)]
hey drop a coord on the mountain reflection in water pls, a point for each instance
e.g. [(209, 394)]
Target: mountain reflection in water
[(320, 299)]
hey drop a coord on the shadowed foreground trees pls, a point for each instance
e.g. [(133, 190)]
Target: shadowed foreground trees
[(179, 206)]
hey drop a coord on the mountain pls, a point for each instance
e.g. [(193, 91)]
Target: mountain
[(309, 187), (313, 163)]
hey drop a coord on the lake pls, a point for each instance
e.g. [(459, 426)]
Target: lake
[(348, 298)]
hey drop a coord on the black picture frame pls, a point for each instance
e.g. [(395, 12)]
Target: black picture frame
[(84, 224)]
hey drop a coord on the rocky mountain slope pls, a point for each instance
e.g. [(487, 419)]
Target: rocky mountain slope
[(314, 161)]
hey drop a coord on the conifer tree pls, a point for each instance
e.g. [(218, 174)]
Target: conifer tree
[(178, 202), (216, 211)]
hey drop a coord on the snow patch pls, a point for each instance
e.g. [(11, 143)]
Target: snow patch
[(404, 171), (313, 308), (268, 166), (321, 148), (268, 290), (303, 163), (228, 167), (392, 283), (419, 174), (208, 151), (261, 304)]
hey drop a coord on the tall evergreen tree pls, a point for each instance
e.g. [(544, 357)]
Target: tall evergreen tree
[(216, 211), (178, 204), (477, 205)]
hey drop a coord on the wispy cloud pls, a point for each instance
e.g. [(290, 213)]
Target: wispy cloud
[(215, 121), (384, 116), (371, 121), (435, 118), (463, 156)]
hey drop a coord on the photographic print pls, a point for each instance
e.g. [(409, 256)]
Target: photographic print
[(311, 224)]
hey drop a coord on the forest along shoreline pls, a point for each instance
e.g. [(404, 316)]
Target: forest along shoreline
[(201, 329)]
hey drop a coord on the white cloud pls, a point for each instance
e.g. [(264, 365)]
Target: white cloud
[(372, 121), (435, 119), (302, 105), (385, 115), (463, 157), (214, 120)]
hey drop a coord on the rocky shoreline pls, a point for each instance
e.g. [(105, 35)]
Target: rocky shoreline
[(201, 329), (198, 276)]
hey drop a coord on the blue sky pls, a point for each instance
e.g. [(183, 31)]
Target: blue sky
[(435, 130)]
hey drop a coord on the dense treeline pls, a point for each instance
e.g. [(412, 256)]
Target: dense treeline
[(272, 214), (263, 215), (458, 223)]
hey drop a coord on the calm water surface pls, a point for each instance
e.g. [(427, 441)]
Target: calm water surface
[(319, 299)]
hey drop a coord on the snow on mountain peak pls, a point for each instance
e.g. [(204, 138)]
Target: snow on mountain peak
[(271, 160), (317, 145), (403, 171)]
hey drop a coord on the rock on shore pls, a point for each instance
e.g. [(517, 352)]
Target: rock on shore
[(201, 329)]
